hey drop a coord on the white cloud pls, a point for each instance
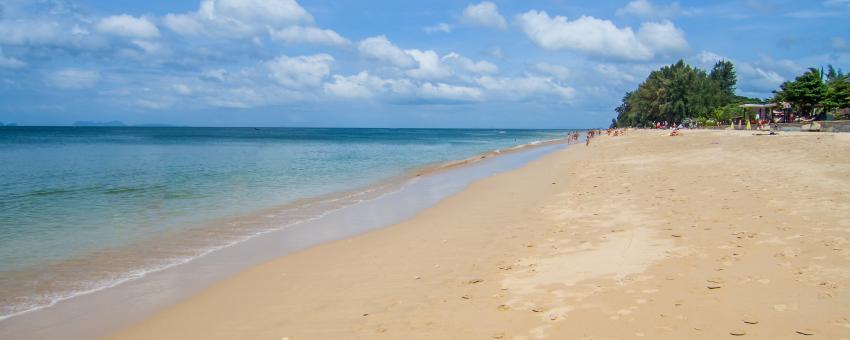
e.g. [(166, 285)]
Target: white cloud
[(127, 26), (9, 62), (614, 74), (757, 79), (709, 58), (422, 64), (602, 37), (363, 85), (441, 27), (525, 88), (148, 47), (465, 64), (183, 89), (556, 71), (662, 37), (453, 93), (312, 35), (647, 10), (183, 24), (300, 72), (238, 18), (484, 14), (383, 50), (72, 78), (429, 65)]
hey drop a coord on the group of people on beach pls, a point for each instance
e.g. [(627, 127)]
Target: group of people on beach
[(616, 132), (572, 136)]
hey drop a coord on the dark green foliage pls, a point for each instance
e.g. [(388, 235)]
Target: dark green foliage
[(676, 92), (805, 92), (838, 90)]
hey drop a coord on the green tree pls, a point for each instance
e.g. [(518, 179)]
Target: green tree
[(676, 92), (837, 94), (806, 92), (724, 76)]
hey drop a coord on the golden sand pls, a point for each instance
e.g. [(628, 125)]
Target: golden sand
[(703, 236)]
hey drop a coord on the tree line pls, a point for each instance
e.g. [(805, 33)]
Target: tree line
[(679, 92)]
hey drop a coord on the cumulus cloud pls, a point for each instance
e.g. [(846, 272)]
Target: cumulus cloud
[(709, 58), (380, 48), (614, 74), (364, 85), (421, 64), (450, 93), (662, 37), (458, 61), (484, 14), (312, 35), (73, 78), (525, 88), (647, 10), (237, 17), (757, 79), (601, 37), (127, 26), (300, 72), (183, 24)]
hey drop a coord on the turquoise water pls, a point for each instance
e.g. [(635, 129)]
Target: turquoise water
[(82, 208)]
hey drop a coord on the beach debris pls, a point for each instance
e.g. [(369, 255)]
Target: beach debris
[(417, 277), (506, 267), (537, 309), (750, 320), (738, 332), (806, 331), (365, 314), (498, 335), (474, 281), (714, 286), (466, 297), (503, 308)]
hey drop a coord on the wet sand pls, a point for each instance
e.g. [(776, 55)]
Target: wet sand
[(712, 234)]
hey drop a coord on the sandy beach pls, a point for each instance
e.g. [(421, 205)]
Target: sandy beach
[(712, 234)]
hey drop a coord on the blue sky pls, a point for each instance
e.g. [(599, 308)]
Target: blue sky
[(523, 64)]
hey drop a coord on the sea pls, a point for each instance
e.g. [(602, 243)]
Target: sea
[(87, 208)]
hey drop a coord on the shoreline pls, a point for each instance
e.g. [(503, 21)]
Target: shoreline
[(643, 235), (374, 192)]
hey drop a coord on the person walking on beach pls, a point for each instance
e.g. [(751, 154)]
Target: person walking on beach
[(588, 138)]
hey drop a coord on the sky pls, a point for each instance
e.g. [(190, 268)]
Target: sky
[(490, 64)]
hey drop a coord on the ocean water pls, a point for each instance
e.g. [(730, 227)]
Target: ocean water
[(87, 208)]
